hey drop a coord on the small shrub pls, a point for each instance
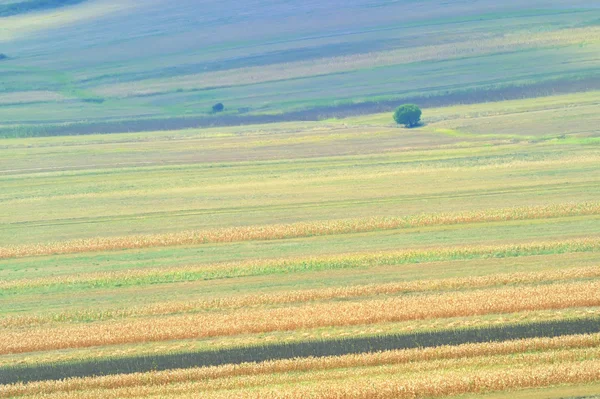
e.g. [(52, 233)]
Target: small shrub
[(219, 107), (3, 57)]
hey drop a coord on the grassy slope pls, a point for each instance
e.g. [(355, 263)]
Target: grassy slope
[(159, 69)]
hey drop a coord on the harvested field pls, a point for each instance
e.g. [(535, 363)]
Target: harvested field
[(332, 259)]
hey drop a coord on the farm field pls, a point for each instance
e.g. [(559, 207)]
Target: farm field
[(299, 243), (343, 258)]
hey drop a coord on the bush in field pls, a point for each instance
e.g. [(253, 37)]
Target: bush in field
[(219, 107), (408, 115), (3, 57)]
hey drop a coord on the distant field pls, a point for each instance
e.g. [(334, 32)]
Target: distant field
[(147, 66), (336, 258)]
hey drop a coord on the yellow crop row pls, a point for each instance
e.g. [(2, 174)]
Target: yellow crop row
[(556, 361), (431, 384), (398, 357), (304, 229), (288, 297), (211, 324), (275, 337)]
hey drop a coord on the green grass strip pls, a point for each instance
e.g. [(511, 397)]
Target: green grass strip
[(130, 278)]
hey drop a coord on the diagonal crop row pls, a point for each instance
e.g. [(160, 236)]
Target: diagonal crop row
[(301, 335), (251, 321), (204, 385), (393, 357), (296, 230), (280, 266), (418, 385), (288, 297), (455, 343)]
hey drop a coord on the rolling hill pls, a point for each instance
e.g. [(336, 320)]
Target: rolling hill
[(111, 66)]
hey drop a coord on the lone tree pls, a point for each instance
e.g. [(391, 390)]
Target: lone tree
[(219, 107), (408, 115), (3, 57)]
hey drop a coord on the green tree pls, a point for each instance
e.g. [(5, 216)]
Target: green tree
[(408, 115)]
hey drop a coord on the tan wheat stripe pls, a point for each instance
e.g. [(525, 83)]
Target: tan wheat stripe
[(275, 337), (209, 324), (431, 384), (303, 365), (308, 295), (295, 230), (408, 371)]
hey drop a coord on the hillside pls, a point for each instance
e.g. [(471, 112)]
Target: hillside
[(104, 60)]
